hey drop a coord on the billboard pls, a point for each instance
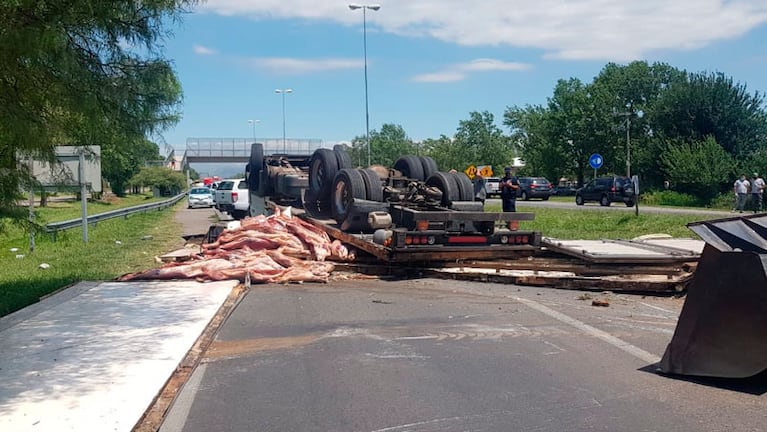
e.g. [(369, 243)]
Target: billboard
[(65, 172)]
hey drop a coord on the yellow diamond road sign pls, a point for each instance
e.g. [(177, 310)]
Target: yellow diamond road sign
[(485, 170), (471, 171)]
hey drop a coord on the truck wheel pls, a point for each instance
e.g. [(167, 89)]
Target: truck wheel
[(373, 186), (343, 158), (447, 184), (265, 187), (256, 164), (465, 188), (410, 167), (347, 186), (323, 167), (429, 166)]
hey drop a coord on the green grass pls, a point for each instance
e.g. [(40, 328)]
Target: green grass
[(601, 224), (58, 211), (23, 282)]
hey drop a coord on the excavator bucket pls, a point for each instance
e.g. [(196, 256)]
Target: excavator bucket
[(722, 330)]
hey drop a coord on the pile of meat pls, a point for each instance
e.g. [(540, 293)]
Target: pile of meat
[(278, 248)]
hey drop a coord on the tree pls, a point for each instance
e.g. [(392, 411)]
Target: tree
[(700, 168), (712, 105), (167, 181), (120, 163), (482, 142), (445, 151), (81, 73), (386, 146)]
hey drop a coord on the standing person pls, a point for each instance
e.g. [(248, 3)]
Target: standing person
[(480, 188), (757, 186), (509, 188), (740, 187)]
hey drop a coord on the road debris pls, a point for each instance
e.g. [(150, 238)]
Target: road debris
[(274, 249), (600, 302)]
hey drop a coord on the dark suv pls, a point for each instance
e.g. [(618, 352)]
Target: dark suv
[(534, 187), (606, 190)]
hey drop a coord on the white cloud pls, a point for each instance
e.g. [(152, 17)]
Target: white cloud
[(459, 72), (568, 29), (294, 66), (201, 50), (440, 77)]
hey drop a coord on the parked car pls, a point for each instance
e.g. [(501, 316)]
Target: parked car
[(534, 187), (565, 190), (492, 186), (199, 197), (232, 197), (607, 190)]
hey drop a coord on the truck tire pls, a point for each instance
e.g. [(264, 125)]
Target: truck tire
[(343, 158), (265, 187), (429, 166), (347, 186), (323, 167), (373, 186), (447, 184), (465, 187), (410, 167), (256, 164)]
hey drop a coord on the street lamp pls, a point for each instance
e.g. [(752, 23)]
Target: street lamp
[(253, 122), (628, 115), (283, 92), (373, 7)]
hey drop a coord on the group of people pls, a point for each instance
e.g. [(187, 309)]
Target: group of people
[(744, 189), (509, 185)]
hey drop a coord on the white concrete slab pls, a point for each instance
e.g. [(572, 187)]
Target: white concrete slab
[(94, 357)]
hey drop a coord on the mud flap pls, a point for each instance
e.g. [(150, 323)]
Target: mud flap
[(722, 329)]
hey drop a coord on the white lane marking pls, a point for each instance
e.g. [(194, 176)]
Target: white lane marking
[(178, 412), (658, 308), (599, 334)]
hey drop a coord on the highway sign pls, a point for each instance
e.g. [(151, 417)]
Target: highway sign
[(596, 161)]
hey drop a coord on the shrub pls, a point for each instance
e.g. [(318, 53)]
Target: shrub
[(670, 198)]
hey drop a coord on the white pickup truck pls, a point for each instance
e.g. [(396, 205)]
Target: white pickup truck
[(232, 197)]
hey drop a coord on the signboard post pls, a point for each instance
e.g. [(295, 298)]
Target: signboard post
[(596, 162), (635, 182)]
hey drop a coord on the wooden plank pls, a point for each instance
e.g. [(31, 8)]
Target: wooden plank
[(577, 267)]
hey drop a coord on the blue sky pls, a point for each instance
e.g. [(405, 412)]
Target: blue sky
[(432, 62)]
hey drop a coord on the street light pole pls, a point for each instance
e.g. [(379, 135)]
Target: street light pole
[(373, 7), (628, 115), (253, 122), (283, 92)]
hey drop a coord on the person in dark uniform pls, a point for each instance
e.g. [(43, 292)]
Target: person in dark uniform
[(509, 188)]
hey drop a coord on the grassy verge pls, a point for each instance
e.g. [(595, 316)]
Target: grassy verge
[(58, 211), (115, 247), (587, 225)]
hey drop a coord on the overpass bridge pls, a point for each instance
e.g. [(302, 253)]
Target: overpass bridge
[(237, 150)]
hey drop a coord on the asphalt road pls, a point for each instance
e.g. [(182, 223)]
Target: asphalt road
[(435, 355)]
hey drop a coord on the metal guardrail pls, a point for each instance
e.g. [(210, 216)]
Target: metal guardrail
[(55, 227)]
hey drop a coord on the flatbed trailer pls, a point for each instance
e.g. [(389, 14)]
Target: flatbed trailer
[(445, 247)]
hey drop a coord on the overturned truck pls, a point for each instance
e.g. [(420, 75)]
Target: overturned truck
[(411, 211)]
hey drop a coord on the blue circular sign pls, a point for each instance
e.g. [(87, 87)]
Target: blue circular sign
[(596, 161)]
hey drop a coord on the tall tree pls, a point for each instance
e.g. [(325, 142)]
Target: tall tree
[(81, 72), (445, 151), (483, 142), (712, 105), (386, 146)]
